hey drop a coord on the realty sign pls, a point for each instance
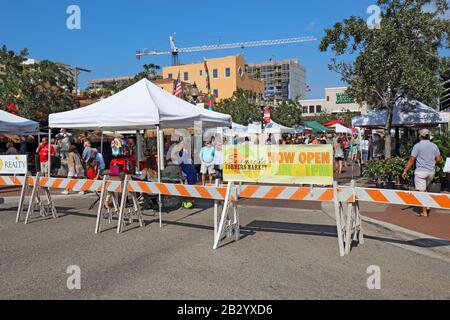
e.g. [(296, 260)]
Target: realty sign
[(286, 164), (16, 164)]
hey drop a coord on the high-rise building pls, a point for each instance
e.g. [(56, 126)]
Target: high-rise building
[(226, 75), (285, 79)]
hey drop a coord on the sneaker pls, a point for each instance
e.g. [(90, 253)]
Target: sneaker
[(65, 192)]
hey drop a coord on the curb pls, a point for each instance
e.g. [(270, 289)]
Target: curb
[(423, 241), (15, 200)]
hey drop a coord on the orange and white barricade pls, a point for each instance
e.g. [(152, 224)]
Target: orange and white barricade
[(108, 191), (228, 223), (18, 181), (411, 198), (348, 220)]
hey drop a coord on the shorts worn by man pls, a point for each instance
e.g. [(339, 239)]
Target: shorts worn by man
[(425, 155), (207, 158)]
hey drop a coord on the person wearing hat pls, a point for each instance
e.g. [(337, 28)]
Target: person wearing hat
[(425, 155)]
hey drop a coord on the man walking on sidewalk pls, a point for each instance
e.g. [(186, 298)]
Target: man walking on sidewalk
[(425, 155)]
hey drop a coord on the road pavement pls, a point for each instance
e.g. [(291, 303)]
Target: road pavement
[(284, 253)]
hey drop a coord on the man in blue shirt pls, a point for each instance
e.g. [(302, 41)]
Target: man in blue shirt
[(425, 155), (207, 159)]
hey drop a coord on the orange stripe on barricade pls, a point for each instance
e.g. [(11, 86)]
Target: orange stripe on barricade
[(443, 201), (409, 198), (222, 192), (118, 188), (71, 184), (352, 198), (328, 195), (87, 185), (57, 183), (203, 192), (274, 192), (130, 188), (162, 188), (182, 190), (43, 181), (248, 191), (300, 194), (16, 181), (376, 195), (144, 187), (30, 181), (2, 182)]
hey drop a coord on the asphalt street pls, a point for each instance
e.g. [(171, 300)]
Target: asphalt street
[(283, 254)]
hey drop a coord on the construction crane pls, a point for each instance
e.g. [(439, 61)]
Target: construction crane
[(175, 50)]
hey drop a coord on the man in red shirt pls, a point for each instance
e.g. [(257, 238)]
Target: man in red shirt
[(43, 155)]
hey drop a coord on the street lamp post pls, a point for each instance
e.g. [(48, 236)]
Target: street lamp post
[(194, 93)]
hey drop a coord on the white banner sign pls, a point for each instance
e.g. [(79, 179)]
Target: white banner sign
[(13, 164)]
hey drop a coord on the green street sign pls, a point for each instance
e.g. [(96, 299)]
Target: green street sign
[(343, 97)]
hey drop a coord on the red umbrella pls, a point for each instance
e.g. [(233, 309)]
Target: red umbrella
[(333, 122)]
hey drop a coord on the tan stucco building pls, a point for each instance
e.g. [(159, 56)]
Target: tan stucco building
[(336, 101), (226, 74)]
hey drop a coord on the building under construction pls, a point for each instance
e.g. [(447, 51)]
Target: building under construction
[(283, 80)]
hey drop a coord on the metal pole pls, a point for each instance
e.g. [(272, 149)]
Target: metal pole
[(159, 170), (139, 150), (49, 152), (101, 143)]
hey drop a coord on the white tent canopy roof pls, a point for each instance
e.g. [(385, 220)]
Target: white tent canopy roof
[(141, 106), (407, 113), (273, 127), (341, 129), (15, 125)]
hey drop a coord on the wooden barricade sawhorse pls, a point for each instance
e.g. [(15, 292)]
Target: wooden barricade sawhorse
[(25, 182), (227, 225), (108, 191), (348, 220), (36, 202)]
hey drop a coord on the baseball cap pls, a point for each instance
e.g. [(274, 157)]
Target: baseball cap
[(424, 132)]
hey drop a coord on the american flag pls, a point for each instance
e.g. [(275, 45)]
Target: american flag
[(177, 88)]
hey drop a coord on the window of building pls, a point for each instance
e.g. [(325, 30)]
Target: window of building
[(215, 73), (169, 76), (318, 109), (305, 109), (311, 109), (328, 98), (201, 73), (227, 72), (186, 76), (216, 93)]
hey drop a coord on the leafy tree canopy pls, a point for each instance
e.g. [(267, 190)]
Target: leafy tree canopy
[(34, 90), (399, 59), (288, 113), (241, 107)]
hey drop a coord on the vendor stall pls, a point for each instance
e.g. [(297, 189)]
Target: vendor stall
[(15, 125)]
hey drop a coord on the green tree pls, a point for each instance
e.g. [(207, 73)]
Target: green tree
[(149, 71), (36, 89), (399, 59), (241, 107), (288, 113)]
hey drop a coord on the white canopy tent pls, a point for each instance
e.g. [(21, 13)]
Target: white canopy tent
[(273, 127), (15, 125), (407, 113), (342, 129), (140, 106)]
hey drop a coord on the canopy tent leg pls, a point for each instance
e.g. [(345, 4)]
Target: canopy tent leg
[(49, 169), (101, 143), (158, 145)]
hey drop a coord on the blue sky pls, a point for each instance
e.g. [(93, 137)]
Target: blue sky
[(112, 31)]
